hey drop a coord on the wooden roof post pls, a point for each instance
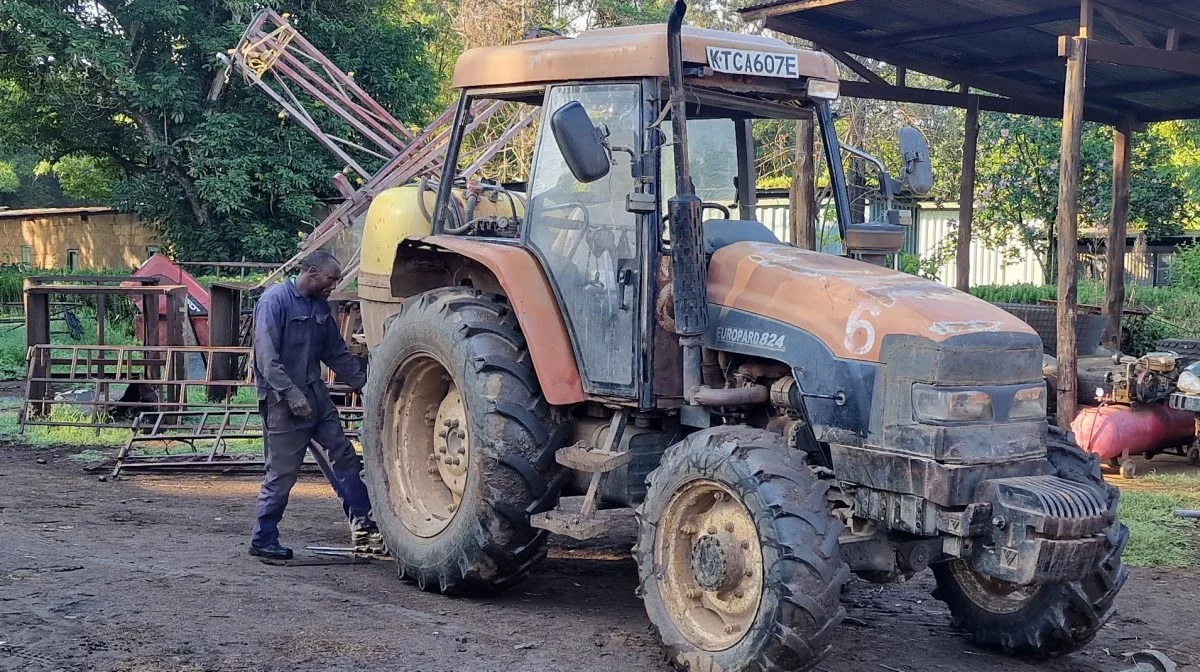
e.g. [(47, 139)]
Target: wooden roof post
[(1075, 51), (966, 195), (803, 192), (1114, 292)]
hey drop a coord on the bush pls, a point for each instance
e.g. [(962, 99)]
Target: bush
[(1185, 268)]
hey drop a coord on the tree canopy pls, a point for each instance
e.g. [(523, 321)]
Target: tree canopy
[(112, 96)]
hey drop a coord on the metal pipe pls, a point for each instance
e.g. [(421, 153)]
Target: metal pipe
[(837, 174), (732, 396), (688, 271)]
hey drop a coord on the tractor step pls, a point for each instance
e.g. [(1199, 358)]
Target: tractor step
[(569, 524), (581, 458)]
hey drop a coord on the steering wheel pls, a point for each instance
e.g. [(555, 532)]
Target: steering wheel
[(706, 205)]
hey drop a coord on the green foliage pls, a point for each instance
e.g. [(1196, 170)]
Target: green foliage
[(1017, 179), (126, 85), (1185, 268), (82, 177), (9, 182)]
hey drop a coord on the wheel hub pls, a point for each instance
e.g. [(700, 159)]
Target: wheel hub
[(426, 445), (717, 562), (451, 444), (711, 559)]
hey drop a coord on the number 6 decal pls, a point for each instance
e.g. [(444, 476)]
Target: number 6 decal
[(856, 324)]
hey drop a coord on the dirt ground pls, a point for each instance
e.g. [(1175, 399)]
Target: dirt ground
[(151, 573)]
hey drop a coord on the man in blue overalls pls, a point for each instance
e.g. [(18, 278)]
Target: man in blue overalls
[(294, 332)]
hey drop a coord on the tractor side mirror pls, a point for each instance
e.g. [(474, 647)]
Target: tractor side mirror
[(583, 145), (917, 174)]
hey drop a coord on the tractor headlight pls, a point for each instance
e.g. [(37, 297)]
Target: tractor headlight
[(1189, 380), (1029, 402), (936, 405), (824, 89)]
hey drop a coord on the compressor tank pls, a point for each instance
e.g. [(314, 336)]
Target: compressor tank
[(1108, 431)]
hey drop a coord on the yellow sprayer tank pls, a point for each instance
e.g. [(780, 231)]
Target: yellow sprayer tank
[(395, 214)]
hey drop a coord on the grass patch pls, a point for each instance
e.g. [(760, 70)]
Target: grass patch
[(56, 436), (1157, 537)]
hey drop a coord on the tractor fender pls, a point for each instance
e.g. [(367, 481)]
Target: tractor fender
[(429, 262)]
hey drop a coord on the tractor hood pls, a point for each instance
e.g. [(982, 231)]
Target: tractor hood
[(848, 305)]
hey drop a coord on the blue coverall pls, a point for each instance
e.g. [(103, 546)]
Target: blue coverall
[(293, 335)]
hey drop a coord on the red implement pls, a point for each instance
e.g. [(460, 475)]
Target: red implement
[(196, 329)]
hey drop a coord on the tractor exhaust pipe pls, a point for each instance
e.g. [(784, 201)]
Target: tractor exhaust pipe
[(688, 274)]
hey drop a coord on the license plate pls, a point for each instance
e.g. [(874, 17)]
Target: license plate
[(753, 63)]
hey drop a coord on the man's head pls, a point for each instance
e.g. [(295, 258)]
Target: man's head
[(320, 272)]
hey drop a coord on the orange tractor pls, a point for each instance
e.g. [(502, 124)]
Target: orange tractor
[(620, 328)]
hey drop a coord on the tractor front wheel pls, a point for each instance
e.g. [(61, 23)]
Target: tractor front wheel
[(1047, 620), (738, 555)]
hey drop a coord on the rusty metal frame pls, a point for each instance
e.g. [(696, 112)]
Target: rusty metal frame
[(101, 366), (212, 428)]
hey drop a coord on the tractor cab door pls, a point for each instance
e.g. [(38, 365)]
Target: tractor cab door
[(589, 243)]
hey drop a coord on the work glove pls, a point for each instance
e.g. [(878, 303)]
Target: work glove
[(297, 403)]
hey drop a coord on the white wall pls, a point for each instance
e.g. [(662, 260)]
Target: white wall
[(1013, 265)]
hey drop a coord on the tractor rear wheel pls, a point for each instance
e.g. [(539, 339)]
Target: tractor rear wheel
[(1048, 620), (458, 443), (738, 555)]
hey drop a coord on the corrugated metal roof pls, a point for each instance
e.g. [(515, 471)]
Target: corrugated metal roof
[(953, 39), (50, 212)]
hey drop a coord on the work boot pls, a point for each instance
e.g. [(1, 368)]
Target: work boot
[(271, 552), (370, 538)]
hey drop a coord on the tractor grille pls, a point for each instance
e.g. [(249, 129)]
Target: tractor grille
[(1052, 506)]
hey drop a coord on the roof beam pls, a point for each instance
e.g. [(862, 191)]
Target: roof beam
[(908, 94), (992, 84), (991, 25), (1141, 57), (1015, 64), (1124, 27), (1162, 17), (1172, 39), (854, 64), (788, 8), (1144, 86)]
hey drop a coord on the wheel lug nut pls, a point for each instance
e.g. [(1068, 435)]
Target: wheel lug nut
[(452, 507), (433, 470), (749, 573), (441, 434), (729, 527), (732, 628), (712, 529), (739, 594), (441, 449), (745, 545), (693, 593), (462, 434), (688, 529)]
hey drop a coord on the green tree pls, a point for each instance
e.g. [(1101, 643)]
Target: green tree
[(1017, 181), (9, 182), (123, 86)]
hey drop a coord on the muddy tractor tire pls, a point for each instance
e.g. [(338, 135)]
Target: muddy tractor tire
[(1040, 621), (458, 443), (738, 555)]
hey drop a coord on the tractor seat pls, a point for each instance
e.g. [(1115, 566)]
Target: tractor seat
[(721, 232)]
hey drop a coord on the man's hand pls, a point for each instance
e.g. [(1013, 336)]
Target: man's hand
[(298, 403)]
